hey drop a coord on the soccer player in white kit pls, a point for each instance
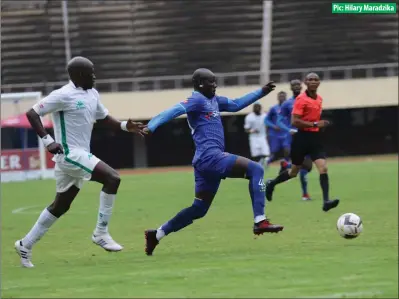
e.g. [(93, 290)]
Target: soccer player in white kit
[(75, 107), (255, 126)]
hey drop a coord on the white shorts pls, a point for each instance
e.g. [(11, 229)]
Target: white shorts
[(73, 169), (259, 147)]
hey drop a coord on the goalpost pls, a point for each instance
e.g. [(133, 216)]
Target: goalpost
[(16, 104)]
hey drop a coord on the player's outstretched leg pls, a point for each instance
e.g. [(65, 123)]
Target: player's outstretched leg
[(244, 168), (47, 218), (285, 163), (184, 218), (110, 179), (328, 204), (206, 187)]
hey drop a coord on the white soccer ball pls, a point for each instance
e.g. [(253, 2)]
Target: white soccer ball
[(349, 226)]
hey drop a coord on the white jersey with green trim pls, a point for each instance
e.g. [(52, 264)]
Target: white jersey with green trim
[(74, 112)]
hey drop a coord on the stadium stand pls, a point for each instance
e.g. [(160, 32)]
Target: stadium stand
[(307, 34), (127, 39)]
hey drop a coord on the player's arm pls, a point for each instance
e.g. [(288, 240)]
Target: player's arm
[(103, 117), (229, 105), (52, 103), (107, 120), (284, 113), (268, 120), (128, 126), (168, 115)]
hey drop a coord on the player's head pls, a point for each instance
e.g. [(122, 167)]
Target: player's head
[(312, 81), (257, 108), (281, 97), (296, 87), (81, 72), (204, 81)]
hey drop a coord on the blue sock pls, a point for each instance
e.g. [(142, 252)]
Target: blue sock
[(257, 190), (288, 161), (185, 217), (304, 181)]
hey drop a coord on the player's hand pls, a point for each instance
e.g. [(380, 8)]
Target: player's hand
[(135, 127), (269, 87), (55, 148), (146, 131), (254, 131), (323, 123), (277, 128)]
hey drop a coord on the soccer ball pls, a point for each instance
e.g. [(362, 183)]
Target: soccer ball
[(349, 226)]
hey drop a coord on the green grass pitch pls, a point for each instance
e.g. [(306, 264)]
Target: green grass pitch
[(216, 256)]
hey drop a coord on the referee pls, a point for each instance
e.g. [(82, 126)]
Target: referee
[(307, 141)]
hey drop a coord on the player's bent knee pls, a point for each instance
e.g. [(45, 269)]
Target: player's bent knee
[(58, 208), (307, 165), (255, 169), (323, 169), (113, 179), (294, 171), (200, 209)]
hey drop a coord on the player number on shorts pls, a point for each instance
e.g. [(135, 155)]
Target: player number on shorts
[(262, 185)]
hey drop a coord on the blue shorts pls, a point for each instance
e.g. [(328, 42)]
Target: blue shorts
[(211, 170), (287, 141), (276, 143)]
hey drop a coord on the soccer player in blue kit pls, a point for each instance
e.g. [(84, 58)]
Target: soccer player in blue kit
[(211, 162), (284, 122), (275, 135)]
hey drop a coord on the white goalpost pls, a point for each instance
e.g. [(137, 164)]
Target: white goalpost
[(12, 166)]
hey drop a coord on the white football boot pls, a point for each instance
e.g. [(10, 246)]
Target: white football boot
[(25, 254), (106, 242)]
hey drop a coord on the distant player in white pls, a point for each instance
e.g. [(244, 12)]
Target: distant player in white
[(255, 127), (75, 107)]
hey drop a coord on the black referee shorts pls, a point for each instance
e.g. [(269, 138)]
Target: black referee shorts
[(306, 143)]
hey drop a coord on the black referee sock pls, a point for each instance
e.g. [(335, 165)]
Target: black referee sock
[(282, 177), (324, 186)]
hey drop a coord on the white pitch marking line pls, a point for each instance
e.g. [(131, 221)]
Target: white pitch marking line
[(25, 210), (351, 294)]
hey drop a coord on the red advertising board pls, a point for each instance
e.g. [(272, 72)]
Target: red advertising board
[(23, 160)]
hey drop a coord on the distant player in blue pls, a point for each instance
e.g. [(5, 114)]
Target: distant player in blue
[(284, 122), (211, 163), (275, 135)]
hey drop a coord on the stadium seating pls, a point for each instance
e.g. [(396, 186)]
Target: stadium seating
[(25, 45), (140, 38), (307, 34)]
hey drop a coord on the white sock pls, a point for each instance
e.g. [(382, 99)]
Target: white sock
[(43, 223), (263, 162), (259, 218), (104, 213), (160, 233)]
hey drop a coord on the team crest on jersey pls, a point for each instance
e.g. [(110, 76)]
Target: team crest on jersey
[(80, 105), (210, 114)]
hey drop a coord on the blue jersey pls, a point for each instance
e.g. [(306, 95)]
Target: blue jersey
[(284, 120), (203, 117), (271, 121)]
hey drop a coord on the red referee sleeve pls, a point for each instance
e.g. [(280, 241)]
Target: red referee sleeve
[(299, 107)]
